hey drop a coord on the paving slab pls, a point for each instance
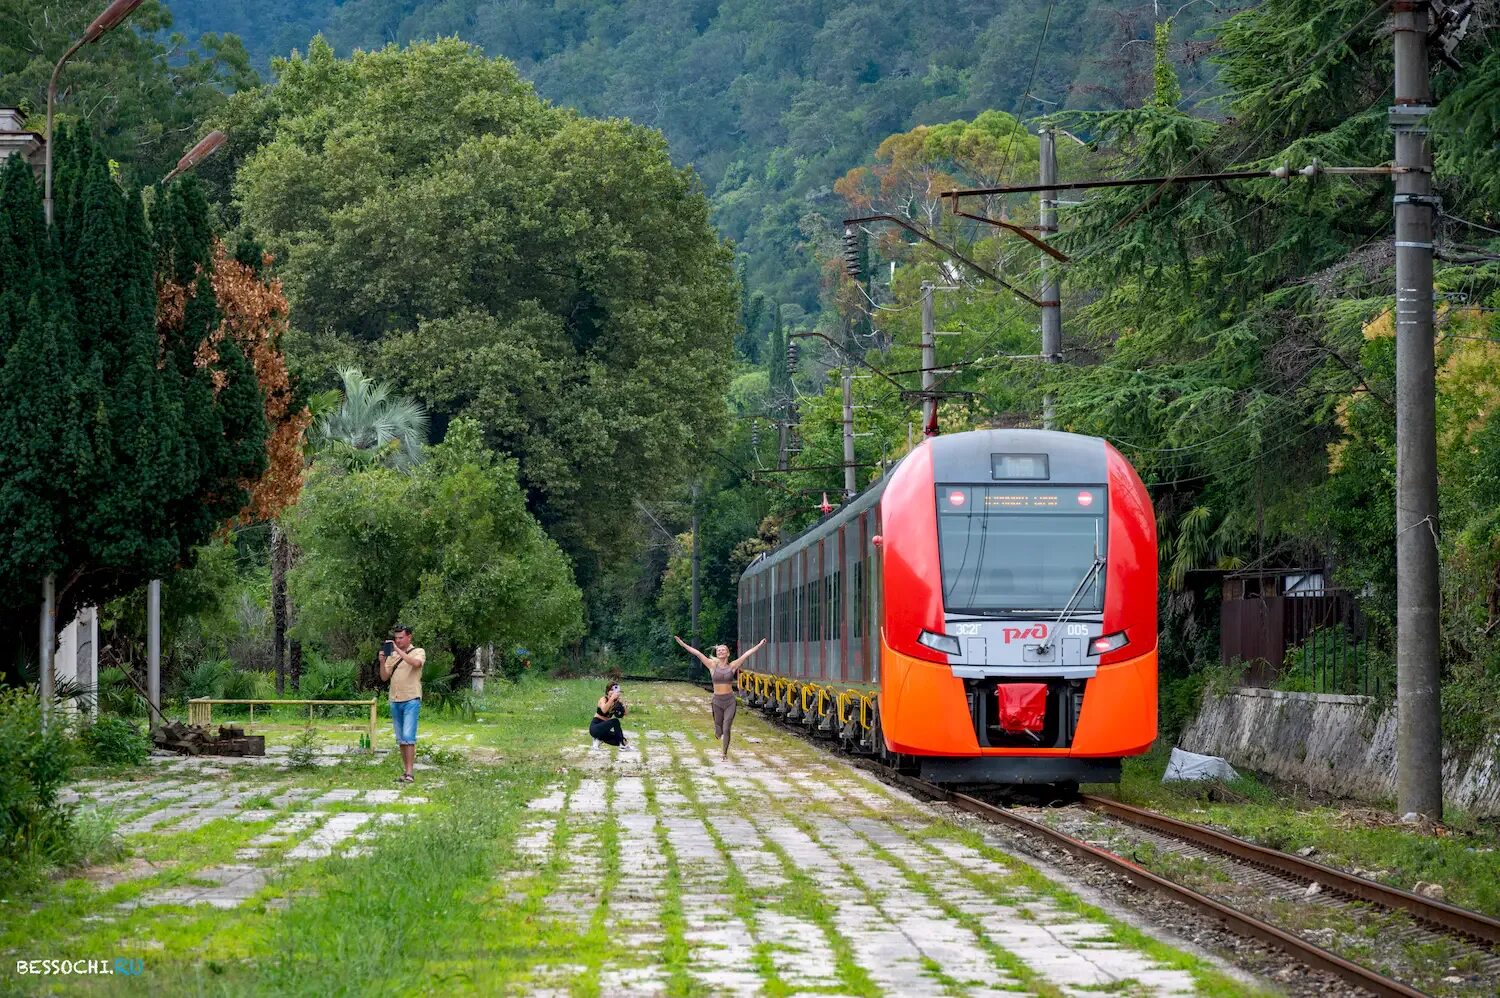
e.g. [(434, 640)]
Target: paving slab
[(880, 879)]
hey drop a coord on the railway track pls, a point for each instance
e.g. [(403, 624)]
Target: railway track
[(1397, 918)]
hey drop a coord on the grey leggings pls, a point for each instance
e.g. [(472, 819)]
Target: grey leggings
[(724, 706)]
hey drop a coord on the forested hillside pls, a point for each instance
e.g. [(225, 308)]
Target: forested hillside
[(768, 101)]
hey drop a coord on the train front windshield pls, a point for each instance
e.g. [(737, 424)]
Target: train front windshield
[(1007, 549)]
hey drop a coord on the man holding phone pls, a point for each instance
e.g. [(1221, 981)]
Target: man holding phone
[(402, 665)]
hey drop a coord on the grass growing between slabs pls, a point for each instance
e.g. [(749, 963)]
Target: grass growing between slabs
[(450, 900), (393, 920), (1462, 855)]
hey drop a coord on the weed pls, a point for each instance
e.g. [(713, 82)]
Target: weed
[(440, 755), (305, 747)]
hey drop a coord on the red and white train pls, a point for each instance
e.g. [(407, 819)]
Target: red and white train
[(985, 614)]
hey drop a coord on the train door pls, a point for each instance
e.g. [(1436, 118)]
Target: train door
[(877, 597), (778, 604), (841, 673), (820, 619)]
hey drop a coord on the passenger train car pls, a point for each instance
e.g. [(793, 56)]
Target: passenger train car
[(985, 614)]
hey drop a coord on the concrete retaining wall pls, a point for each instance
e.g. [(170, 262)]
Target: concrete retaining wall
[(1339, 744)]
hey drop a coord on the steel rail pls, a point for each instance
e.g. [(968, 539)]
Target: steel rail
[(1240, 922), (1471, 924)]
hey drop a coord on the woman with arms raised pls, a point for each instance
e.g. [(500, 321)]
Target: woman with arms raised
[(723, 673)]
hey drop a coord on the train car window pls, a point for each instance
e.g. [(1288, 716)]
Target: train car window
[(1024, 467), (1021, 549)]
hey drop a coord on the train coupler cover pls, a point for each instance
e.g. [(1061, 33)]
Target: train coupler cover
[(1023, 707)]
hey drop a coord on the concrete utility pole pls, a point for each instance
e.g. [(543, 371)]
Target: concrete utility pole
[(849, 485), (1051, 302), (153, 650), (1419, 744), (929, 363), (45, 685), (695, 566)]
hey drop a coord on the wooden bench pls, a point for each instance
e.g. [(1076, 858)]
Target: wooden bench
[(201, 709)]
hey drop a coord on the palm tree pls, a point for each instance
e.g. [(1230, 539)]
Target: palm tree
[(358, 425), (369, 424)]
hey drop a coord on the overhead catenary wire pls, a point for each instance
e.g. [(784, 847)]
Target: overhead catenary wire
[(1036, 58), (1290, 78)]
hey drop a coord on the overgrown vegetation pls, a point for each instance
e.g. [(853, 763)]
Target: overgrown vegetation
[(39, 833), (115, 741), (1369, 842)]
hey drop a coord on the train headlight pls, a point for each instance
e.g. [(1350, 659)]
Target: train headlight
[(945, 643), (1108, 643)]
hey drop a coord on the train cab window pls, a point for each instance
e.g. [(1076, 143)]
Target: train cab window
[(1020, 549)]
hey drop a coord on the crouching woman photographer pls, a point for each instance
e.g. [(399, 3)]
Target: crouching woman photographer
[(605, 727)]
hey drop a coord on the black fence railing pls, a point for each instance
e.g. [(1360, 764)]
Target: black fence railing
[(1314, 641)]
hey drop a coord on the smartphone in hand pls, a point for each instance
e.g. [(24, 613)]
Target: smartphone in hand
[(387, 647)]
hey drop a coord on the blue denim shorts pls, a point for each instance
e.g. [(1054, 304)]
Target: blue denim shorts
[(404, 720)]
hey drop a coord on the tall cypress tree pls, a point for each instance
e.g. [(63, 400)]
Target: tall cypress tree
[(46, 460), (124, 448)]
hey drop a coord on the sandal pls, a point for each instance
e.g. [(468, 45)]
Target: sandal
[(406, 778)]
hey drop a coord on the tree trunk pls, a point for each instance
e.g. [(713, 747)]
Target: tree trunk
[(296, 665), (280, 556)]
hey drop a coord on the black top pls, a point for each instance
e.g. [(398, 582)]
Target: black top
[(618, 710)]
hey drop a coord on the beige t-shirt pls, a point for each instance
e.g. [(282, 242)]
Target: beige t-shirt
[(406, 681)]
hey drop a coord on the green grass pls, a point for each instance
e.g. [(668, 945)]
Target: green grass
[(1464, 859), (393, 921), (447, 901)]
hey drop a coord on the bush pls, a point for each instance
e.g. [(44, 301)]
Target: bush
[(34, 827), (206, 679), (115, 741), (325, 680), (249, 684), (117, 695)]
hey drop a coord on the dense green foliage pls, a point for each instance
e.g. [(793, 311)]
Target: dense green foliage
[(33, 824), (446, 548), (769, 102), (115, 741), (142, 90), (551, 276), (1234, 340), (126, 445)]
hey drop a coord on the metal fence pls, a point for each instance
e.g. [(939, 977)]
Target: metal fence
[(1316, 641)]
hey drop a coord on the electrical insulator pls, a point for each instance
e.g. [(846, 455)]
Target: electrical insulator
[(854, 256), (754, 433), (791, 357)]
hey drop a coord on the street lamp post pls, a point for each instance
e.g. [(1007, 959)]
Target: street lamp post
[(205, 148), (112, 16), (116, 12)]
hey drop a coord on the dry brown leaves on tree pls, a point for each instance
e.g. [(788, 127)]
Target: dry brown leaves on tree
[(255, 315)]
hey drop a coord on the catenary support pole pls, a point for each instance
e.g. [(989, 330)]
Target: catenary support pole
[(849, 485), (695, 566), (929, 363), (153, 650), (1419, 744), (1051, 303)]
